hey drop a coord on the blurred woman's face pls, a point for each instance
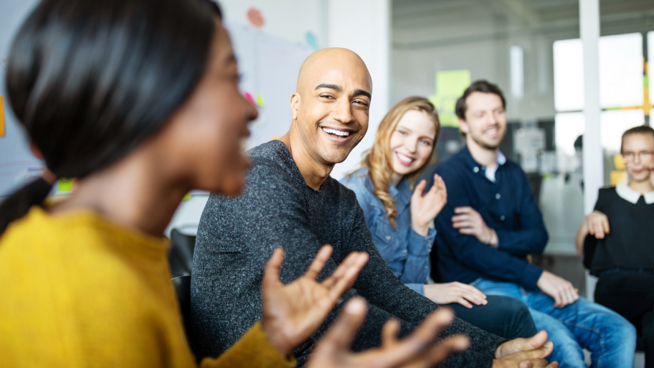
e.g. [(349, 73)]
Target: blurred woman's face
[(637, 153), (412, 142), (206, 135)]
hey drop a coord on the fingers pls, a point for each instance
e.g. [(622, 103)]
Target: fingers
[(558, 301), (271, 272), (465, 209), (537, 340), (567, 294), (340, 335), (472, 294), (599, 228), (459, 219), (605, 224), (570, 295), (343, 283), (421, 337), (465, 303), (463, 294), (439, 182), (341, 270), (417, 192), (319, 262), (553, 365), (439, 352), (538, 354), (389, 332)]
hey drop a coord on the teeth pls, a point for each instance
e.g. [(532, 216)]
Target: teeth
[(404, 158), (336, 132)]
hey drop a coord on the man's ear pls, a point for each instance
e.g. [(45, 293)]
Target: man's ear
[(463, 126), (295, 105)]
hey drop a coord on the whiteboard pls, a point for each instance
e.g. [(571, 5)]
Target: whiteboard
[(17, 164), (269, 66)]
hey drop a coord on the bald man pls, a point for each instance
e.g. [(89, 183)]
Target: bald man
[(291, 202)]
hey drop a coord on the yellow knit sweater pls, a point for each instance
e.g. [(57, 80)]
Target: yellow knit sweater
[(79, 291)]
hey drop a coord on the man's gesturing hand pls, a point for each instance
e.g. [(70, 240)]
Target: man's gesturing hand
[(293, 312), (525, 353), (415, 351)]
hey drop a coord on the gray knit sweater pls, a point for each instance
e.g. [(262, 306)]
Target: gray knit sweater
[(237, 236)]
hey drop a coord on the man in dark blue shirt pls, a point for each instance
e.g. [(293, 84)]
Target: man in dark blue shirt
[(492, 222)]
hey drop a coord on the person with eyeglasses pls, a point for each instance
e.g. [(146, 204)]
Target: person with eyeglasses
[(616, 239)]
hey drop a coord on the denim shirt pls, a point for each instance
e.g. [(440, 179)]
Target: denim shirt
[(405, 251)]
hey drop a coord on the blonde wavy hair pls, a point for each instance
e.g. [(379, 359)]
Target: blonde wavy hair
[(378, 158)]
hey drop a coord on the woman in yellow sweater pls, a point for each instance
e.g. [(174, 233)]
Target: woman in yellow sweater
[(139, 100)]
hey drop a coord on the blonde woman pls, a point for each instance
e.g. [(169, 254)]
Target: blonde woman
[(399, 219)]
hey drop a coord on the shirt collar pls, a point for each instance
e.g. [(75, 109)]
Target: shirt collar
[(631, 195), (477, 167)]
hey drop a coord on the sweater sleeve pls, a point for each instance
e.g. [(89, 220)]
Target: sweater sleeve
[(252, 350), (472, 253), (531, 237)]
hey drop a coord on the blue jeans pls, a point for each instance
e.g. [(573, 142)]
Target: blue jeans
[(610, 338)]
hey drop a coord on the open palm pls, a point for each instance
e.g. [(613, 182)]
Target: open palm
[(415, 351), (425, 208), (293, 312)]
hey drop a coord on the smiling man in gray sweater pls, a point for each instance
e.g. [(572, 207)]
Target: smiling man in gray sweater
[(291, 202)]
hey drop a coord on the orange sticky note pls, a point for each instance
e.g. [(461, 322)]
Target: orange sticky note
[(2, 117)]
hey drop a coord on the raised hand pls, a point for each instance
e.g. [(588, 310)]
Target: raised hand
[(558, 288), (293, 312), (455, 292), (425, 208), (470, 222), (415, 351), (525, 353)]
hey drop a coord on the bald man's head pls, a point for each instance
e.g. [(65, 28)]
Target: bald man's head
[(323, 58), (331, 103)]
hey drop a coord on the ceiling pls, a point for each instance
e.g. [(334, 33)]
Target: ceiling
[(433, 23)]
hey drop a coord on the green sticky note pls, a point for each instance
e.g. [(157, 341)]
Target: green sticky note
[(450, 85), (187, 196), (65, 185)]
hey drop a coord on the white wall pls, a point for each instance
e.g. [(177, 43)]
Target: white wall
[(288, 19), (363, 27)]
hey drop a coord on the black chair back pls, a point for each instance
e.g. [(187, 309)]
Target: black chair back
[(180, 257), (182, 285)]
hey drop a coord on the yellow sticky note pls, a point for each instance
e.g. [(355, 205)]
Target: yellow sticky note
[(618, 162), (187, 196), (260, 100), (452, 82), (619, 177), (65, 185), (2, 117)]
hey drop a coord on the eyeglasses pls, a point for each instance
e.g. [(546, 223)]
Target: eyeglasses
[(642, 155)]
